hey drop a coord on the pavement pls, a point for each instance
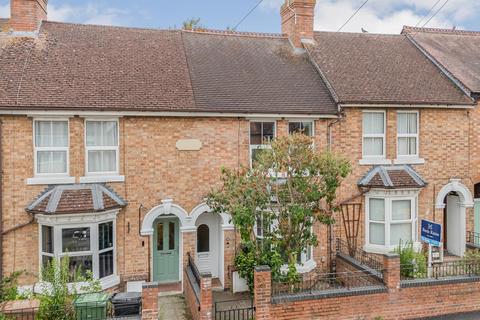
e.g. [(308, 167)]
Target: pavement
[(458, 316), (173, 307)]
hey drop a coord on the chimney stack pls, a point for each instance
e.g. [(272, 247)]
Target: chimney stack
[(297, 20), (27, 15)]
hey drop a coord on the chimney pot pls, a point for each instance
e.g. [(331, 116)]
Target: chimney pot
[(27, 15), (297, 20)]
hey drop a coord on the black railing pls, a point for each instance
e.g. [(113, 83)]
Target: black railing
[(370, 260), (327, 281), (193, 267), (441, 270), (90, 310), (234, 310), (473, 239), (193, 276)]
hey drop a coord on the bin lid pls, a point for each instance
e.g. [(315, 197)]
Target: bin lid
[(91, 298), (130, 297)]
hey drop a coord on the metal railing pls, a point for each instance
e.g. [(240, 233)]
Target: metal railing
[(370, 260), (90, 310), (327, 281), (193, 276), (440, 271), (193, 267), (235, 310), (473, 239)]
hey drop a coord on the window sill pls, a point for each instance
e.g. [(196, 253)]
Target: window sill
[(409, 161), (101, 179), (383, 250), (301, 268), (50, 180), (374, 161), (41, 287)]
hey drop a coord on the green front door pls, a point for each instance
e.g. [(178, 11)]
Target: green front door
[(165, 250)]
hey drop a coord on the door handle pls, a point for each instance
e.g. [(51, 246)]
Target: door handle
[(164, 253)]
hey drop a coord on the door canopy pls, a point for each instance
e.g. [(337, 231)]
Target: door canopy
[(466, 199)]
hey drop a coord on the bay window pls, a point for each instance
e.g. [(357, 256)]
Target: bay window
[(390, 221), (51, 147), (89, 246), (407, 134), (101, 146), (373, 134), (261, 135)]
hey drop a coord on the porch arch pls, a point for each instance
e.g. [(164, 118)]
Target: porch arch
[(466, 199), (167, 207), (202, 208)]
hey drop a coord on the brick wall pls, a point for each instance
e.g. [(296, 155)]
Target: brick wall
[(431, 298), (150, 301), (26, 15), (201, 308)]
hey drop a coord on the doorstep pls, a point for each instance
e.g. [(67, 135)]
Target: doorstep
[(165, 289)]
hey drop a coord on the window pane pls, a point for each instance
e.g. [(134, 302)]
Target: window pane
[(102, 161), (51, 133), (373, 123), (105, 235), (46, 260), (407, 146), (268, 132), (373, 146), (401, 210), (400, 232), (203, 238), (171, 236), (51, 161), (59, 134), (94, 133), (106, 264), (255, 133), (377, 233), (76, 239), (300, 127), (47, 239), (407, 123), (110, 133), (160, 236), (80, 265), (259, 226), (377, 209), (255, 155)]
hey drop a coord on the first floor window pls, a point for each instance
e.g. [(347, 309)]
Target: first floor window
[(261, 135), (90, 248), (373, 134), (102, 146), (51, 147), (407, 134), (390, 221), (304, 127)]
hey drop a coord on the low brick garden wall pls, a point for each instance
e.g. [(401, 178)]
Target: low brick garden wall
[(198, 293)]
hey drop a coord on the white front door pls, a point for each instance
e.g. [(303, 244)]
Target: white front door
[(208, 240), (455, 226)]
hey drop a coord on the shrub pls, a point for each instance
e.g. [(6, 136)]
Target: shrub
[(413, 264)]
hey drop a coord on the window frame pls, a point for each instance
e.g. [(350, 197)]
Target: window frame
[(259, 146), (94, 244), (388, 221), (375, 135), (409, 135), (312, 122), (102, 148), (38, 149)]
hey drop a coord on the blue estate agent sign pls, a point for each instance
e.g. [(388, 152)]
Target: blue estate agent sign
[(431, 232)]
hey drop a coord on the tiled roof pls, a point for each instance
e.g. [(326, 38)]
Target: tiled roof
[(458, 51), (78, 198), (103, 68), (381, 69), (392, 177)]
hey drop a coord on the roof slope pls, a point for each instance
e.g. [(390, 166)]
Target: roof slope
[(85, 67), (456, 50), (245, 73), (381, 69), (392, 177)]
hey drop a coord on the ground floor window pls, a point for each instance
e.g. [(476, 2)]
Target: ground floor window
[(391, 219), (89, 246)]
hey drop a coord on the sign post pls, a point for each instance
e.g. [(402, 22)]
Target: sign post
[(431, 234)]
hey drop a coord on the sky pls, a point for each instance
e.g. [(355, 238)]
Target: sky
[(377, 16)]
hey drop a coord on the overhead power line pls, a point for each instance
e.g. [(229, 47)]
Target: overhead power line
[(428, 13), (248, 14), (436, 12), (353, 15)]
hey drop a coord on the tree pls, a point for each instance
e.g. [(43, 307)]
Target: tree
[(290, 187), (192, 24)]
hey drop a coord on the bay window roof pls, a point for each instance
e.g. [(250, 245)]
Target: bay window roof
[(76, 198), (392, 177)]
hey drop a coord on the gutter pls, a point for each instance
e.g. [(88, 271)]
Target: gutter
[(413, 106)]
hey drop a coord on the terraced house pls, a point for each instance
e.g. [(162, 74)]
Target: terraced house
[(112, 137)]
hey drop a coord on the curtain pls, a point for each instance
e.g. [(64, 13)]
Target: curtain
[(407, 123), (51, 134), (102, 160), (373, 123), (102, 133), (400, 232), (377, 209), (401, 210), (51, 161), (373, 146)]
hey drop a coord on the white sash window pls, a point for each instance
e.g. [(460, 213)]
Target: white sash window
[(51, 147), (101, 146)]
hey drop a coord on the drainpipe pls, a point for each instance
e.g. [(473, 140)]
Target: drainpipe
[(329, 130)]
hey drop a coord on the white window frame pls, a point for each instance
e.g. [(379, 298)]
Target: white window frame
[(259, 146), (414, 158), (38, 149), (389, 197), (301, 121), (112, 174), (376, 159), (92, 221)]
